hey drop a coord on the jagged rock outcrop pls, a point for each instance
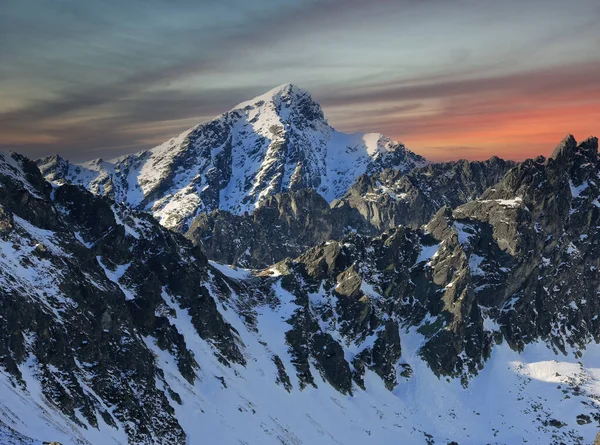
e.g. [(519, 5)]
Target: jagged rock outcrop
[(530, 247), (284, 225), (550, 225), (287, 224), (87, 285), (518, 264), (357, 289), (391, 198)]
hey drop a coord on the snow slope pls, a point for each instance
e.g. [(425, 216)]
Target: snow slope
[(508, 403), (275, 142), (517, 398)]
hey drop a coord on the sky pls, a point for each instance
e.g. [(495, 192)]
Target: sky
[(449, 78)]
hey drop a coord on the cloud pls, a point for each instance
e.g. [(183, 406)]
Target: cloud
[(122, 75), (516, 116), (558, 80)]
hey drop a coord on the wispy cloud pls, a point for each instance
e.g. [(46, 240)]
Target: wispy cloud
[(104, 78), (518, 115)]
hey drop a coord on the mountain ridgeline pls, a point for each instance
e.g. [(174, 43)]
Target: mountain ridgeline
[(286, 224), (276, 142), (379, 298)]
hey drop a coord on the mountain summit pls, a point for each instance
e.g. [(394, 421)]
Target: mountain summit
[(276, 142)]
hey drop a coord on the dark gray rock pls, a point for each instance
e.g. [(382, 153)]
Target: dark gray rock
[(520, 264), (516, 263), (391, 198), (60, 306), (287, 224)]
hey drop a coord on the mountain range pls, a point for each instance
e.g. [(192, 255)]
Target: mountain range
[(264, 279)]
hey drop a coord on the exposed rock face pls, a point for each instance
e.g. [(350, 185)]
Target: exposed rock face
[(518, 245), (276, 142), (391, 198), (530, 245), (87, 286), (356, 289), (519, 264), (284, 225), (287, 224), (550, 225)]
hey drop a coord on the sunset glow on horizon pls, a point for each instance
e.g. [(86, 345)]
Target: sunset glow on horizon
[(460, 79)]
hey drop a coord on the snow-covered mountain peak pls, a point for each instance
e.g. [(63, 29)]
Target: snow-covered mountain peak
[(286, 95), (108, 319), (276, 142), (287, 107)]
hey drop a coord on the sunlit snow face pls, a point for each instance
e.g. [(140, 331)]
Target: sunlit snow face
[(449, 79)]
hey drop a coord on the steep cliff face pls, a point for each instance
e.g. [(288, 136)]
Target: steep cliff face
[(553, 232), (531, 247), (284, 225), (88, 288), (276, 142), (515, 269)]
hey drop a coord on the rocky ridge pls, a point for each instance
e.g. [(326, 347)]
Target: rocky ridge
[(390, 198), (286, 224), (88, 287)]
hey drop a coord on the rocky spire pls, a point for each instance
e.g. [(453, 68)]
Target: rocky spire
[(568, 149), (565, 148)]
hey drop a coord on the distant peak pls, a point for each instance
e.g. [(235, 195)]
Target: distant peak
[(55, 161), (291, 101), (566, 147), (591, 141), (52, 158), (286, 92), (286, 87), (589, 148)]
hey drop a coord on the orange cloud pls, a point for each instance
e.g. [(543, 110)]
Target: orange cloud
[(514, 116), (515, 135)]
